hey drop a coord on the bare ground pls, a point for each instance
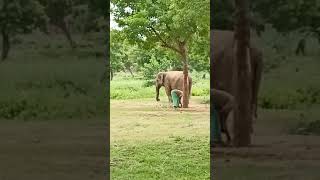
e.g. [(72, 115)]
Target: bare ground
[(274, 153), (147, 120), (53, 150)]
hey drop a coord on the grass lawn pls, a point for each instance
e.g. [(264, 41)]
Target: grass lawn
[(150, 140)]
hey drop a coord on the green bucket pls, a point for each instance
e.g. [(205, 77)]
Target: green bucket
[(175, 99), (215, 131)]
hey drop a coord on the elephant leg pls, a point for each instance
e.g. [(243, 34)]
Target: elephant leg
[(222, 122), (228, 122), (228, 137), (168, 92)]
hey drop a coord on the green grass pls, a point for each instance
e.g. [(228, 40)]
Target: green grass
[(289, 88), (151, 140), (42, 82), (175, 158)]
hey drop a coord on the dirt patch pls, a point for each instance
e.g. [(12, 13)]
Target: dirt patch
[(61, 149), (157, 120), (274, 153)]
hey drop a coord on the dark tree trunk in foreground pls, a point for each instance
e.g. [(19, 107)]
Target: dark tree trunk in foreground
[(183, 52), (243, 115), (5, 44)]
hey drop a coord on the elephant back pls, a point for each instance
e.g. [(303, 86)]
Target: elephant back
[(175, 79), (222, 60)]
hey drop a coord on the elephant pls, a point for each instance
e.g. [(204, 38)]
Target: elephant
[(171, 80), (223, 65)]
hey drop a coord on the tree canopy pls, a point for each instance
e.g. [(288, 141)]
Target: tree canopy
[(19, 17), (172, 24), (284, 15), (24, 16)]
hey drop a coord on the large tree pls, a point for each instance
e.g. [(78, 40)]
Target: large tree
[(171, 23), (59, 11), (243, 118), (18, 17), (115, 53)]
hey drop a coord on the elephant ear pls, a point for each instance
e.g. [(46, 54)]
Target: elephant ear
[(161, 78)]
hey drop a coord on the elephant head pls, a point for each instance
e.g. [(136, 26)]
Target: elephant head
[(159, 82)]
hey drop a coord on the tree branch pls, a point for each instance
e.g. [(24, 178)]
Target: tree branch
[(164, 43)]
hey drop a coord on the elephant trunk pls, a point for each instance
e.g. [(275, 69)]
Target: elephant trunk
[(157, 93)]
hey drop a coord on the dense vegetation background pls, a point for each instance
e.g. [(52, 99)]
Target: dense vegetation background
[(53, 58)]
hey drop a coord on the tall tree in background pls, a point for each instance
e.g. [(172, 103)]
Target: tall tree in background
[(243, 118), (170, 23), (19, 17), (58, 12), (115, 53)]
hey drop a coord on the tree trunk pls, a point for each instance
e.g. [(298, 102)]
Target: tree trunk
[(129, 69), (5, 44), (111, 73), (243, 119), (183, 52), (67, 33), (301, 47), (203, 76)]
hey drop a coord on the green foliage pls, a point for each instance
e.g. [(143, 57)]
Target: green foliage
[(199, 58), (155, 66), (221, 15), (58, 10), (171, 24), (116, 51), (153, 27), (290, 15), (123, 56), (90, 16), (51, 85), (289, 82), (285, 15), (21, 16), (292, 99)]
